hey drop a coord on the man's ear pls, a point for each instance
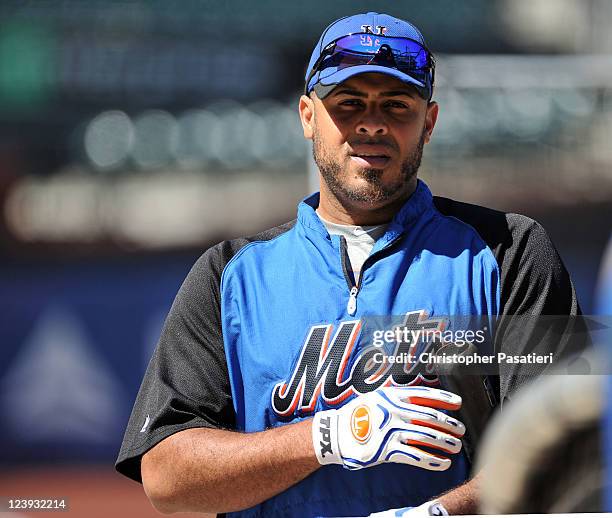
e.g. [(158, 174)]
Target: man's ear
[(306, 109), (430, 119)]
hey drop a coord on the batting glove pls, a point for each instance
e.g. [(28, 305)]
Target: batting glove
[(389, 425), (427, 509)]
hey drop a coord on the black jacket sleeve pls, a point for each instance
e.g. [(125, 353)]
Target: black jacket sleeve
[(186, 384), (539, 311)]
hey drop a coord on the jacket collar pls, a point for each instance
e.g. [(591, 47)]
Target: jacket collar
[(419, 202)]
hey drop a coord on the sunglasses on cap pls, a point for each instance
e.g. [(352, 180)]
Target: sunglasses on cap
[(404, 54)]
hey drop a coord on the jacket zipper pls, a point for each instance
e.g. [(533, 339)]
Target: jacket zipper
[(351, 306)]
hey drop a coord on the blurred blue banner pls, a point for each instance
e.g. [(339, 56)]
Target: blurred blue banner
[(76, 340)]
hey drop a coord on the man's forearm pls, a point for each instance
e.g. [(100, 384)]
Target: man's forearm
[(205, 470), (462, 499)]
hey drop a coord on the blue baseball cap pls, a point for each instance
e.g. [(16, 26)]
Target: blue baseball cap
[(323, 81)]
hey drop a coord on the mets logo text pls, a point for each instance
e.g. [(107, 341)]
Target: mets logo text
[(321, 370)]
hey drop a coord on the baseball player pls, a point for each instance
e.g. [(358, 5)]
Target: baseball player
[(264, 396)]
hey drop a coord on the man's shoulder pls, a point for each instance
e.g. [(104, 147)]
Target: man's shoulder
[(497, 228), (217, 256), (202, 283), (522, 248)]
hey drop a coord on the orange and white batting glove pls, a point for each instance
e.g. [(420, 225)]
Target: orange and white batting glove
[(389, 425)]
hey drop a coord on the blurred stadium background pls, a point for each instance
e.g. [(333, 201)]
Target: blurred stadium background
[(133, 135)]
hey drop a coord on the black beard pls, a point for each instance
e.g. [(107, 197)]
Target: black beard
[(375, 192)]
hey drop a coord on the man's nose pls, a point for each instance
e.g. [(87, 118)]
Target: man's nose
[(372, 123)]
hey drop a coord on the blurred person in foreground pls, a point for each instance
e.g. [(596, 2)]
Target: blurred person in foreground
[(263, 397), (559, 434)]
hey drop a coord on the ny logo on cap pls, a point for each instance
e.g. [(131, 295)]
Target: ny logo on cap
[(380, 29)]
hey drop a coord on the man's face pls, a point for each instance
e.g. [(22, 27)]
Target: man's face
[(368, 136)]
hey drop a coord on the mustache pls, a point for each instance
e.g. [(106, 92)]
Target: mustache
[(388, 143)]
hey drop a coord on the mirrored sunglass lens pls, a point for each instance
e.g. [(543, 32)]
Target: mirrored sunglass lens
[(358, 48)]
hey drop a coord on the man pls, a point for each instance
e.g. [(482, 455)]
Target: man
[(267, 332)]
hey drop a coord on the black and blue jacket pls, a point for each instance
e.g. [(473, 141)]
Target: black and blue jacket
[(267, 330)]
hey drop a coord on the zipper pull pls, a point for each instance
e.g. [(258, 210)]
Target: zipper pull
[(351, 307)]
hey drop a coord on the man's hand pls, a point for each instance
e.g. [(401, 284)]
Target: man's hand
[(389, 425)]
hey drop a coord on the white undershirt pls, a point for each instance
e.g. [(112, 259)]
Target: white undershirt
[(359, 240)]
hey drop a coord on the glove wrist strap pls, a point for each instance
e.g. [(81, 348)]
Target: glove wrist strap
[(325, 437), (432, 508)]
